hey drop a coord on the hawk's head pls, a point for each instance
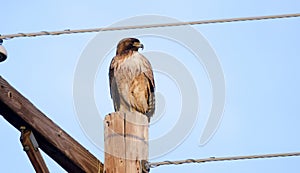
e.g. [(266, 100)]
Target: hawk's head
[(128, 44)]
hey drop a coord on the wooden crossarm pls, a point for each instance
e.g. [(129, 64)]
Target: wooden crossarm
[(53, 140)]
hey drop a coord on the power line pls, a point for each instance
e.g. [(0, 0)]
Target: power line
[(215, 159), (68, 31)]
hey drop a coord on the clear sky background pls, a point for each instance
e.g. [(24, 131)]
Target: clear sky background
[(260, 61)]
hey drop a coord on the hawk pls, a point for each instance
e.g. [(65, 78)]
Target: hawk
[(131, 79)]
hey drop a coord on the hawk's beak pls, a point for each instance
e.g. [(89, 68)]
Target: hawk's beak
[(138, 45), (142, 46)]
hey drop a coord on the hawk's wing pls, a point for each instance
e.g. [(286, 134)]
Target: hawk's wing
[(142, 90), (114, 92)]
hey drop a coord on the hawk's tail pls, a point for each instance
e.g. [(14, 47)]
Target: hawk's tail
[(151, 108)]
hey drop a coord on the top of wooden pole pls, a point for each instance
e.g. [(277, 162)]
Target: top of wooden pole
[(126, 142)]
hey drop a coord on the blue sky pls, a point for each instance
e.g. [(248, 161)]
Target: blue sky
[(259, 61)]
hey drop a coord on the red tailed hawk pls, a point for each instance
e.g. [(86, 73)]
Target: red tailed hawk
[(131, 79)]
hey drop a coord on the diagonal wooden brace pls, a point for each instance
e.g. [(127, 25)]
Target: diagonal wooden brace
[(31, 148)]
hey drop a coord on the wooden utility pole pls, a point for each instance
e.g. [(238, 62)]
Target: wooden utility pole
[(126, 143), (53, 140)]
